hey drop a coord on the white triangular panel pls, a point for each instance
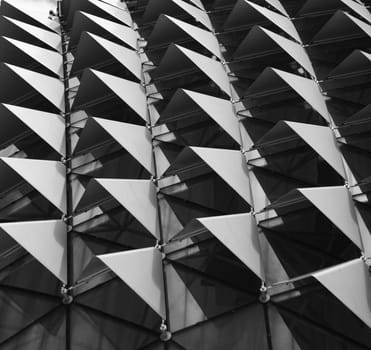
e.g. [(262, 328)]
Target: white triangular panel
[(50, 127), (128, 58), (51, 88), (37, 13), (141, 270), (51, 39), (336, 204), (351, 284), (307, 89), (204, 37), (295, 50), (48, 58), (230, 166), (122, 32), (280, 21), (322, 140), (121, 15), (219, 110), (239, 234), (134, 138), (47, 177), (278, 6), (129, 92), (198, 14), (358, 8), (138, 197), (45, 240), (213, 69)]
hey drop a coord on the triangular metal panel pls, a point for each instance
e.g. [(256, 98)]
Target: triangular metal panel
[(47, 177), (356, 293), (306, 88), (46, 241), (138, 197), (141, 270), (48, 58), (51, 88), (196, 12), (134, 138), (162, 33), (213, 69), (122, 15), (256, 42), (129, 92), (295, 50), (219, 110), (230, 166), (27, 11), (239, 234), (83, 21), (336, 204), (358, 8), (242, 13), (322, 140), (128, 58), (282, 22), (49, 38), (50, 127)]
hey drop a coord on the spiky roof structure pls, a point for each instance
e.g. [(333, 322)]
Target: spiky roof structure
[(185, 174)]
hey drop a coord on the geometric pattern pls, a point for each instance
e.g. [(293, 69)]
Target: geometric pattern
[(185, 174)]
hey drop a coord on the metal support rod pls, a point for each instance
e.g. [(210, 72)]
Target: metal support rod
[(68, 165)]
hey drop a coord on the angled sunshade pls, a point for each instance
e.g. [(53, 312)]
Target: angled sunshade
[(220, 110), (52, 89), (115, 12), (197, 13), (134, 138), (322, 140), (213, 69), (358, 8), (45, 241), (228, 164), (50, 59), (270, 82), (129, 92), (141, 270), (138, 197), (246, 12), (237, 232), (169, 29), (260, 40), (185, 174), (46, 176), (51, 39), (50, 127), (97, 25), (336, 204), (30, 14), (92, 50), (356, 296)]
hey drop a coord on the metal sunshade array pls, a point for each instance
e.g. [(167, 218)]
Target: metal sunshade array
[(218, 175)]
